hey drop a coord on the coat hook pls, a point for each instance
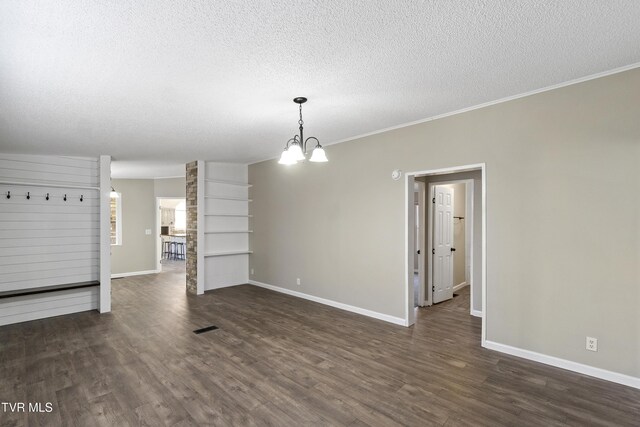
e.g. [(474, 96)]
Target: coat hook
[(65, 198), (81, 197), (47, 196), (28, 195), (8, 194)]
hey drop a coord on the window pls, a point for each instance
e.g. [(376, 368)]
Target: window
[(116, 219), (181, 217)]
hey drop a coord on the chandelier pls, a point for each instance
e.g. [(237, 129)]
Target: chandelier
[(296, 148)]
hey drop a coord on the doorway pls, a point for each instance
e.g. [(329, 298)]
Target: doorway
[(171, 229), (473, 255), (450, 234)]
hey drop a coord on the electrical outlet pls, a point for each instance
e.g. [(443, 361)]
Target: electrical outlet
[(592, 344), (252, 271), (298, 281), (147, 232)]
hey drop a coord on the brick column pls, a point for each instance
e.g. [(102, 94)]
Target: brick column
[(192, 227)]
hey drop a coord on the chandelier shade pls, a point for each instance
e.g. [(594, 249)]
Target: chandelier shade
[(318, 155)]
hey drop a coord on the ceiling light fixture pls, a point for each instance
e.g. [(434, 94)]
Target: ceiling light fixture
[(296, 148)]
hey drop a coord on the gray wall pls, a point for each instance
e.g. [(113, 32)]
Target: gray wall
[(137, 252), (170, 187), (562, 263)]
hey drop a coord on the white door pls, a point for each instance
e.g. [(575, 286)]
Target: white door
[(443, 244)]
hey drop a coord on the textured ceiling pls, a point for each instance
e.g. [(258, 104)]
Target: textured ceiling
[(171, 81)]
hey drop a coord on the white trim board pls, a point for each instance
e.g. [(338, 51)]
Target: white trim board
[(460, 286), (363, 311), (476, 313), (225, 285), (580, 368), (105, 234), (134, 273)]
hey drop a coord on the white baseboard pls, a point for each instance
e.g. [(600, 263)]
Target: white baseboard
[(476, 313), (602, 374), (347, 307), (225, 285), (134, 273), (460, 286)]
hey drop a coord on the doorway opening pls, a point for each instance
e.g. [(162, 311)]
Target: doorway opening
[(446, 246), (171, 229), (447, 215)]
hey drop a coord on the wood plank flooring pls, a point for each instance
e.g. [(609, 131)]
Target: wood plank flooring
[(282, 361)]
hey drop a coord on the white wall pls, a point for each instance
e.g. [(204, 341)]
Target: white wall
[(48, 242)]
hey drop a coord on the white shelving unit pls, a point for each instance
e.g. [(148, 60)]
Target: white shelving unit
[(226, 225), (216, 254), (242, 215), (236, 199), (228, 231), (238, 184)]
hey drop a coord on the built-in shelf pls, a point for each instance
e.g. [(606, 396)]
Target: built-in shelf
[(237, 199), (232, 215), (213, 254), (228, 232), (238, 184), (44, 184)]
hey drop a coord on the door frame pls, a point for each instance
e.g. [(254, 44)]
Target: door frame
[(410, 244), (421, 243), (468, 238)]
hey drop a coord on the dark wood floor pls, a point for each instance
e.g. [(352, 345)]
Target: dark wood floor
[(278, 360)]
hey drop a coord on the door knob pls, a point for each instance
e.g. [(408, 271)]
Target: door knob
[(453, 249)]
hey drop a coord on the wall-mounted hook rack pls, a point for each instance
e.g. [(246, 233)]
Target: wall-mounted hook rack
[(47, 197), (28, 195), (8, 194)]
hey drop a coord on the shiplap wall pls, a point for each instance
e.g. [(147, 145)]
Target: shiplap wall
[(226, 225), (48, 242)]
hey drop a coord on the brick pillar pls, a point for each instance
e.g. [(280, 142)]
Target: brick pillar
[(192, 227)]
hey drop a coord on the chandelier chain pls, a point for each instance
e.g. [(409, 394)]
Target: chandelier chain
[(300, 122)]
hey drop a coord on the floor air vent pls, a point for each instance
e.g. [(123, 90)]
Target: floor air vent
[(207, 329)]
